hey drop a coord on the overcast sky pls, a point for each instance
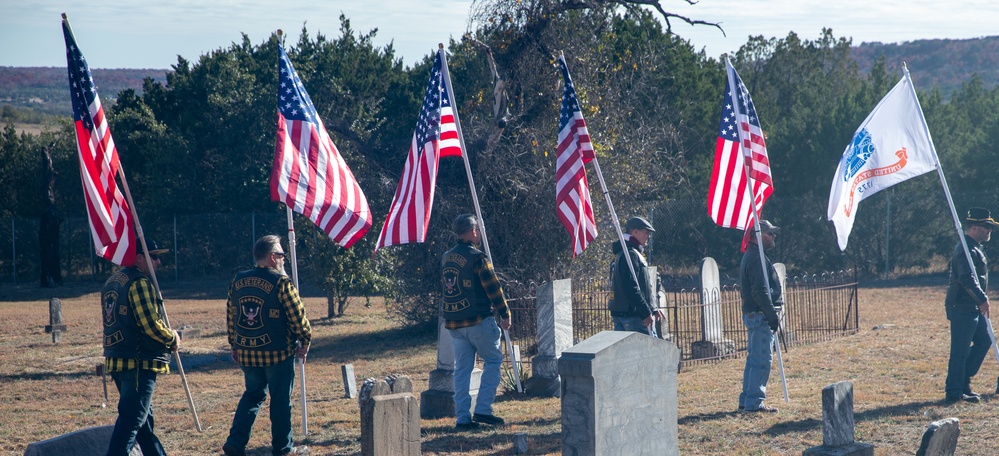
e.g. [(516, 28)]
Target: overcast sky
[(152, 33)]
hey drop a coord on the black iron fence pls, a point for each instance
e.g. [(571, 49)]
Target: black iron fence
[(817, 307)]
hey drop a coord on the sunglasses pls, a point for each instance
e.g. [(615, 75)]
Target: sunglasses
[(280, 254)]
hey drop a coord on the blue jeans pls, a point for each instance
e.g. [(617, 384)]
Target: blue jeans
[(758, 360), (484, 339), (278, 380), (635, 324), (969, 344), (135, 414)]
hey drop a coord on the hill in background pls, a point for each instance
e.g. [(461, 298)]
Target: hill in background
[(942, 63), (45, 90)]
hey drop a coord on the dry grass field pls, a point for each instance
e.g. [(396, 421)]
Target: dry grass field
[(897, 372)]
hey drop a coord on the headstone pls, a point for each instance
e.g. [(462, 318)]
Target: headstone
[(713, 343), (619, 395), (660, 327), (55, 316), (390, 424), (188, 332), (438, 400), (85, 442), (940, 438), (554, 316), (56, 336), (349, 381), (520, 443), (781, 270), (837, 424)]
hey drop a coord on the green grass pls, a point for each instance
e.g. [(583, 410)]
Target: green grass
[(898, 374)]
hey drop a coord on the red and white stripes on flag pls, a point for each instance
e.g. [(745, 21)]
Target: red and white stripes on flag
[(436, 136), (309, 174), (107, 211), (572, 192), (729, 204)]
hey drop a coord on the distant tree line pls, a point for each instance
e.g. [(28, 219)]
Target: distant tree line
[(203, 140)]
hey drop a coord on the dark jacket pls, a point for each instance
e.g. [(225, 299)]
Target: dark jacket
[(632, 298), (123, 338), (464, 296), (964, 291), (754, 287), (261, 322)]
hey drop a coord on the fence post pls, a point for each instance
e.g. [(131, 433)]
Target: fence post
[(253, 229), (13, 249), (176, 264), (887, 232)]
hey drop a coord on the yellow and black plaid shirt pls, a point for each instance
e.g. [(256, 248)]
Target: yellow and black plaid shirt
[(142, 298), (298, 328), (484, 269)]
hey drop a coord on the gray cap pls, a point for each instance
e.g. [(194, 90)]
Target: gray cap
[(767, 227), (638, 222)]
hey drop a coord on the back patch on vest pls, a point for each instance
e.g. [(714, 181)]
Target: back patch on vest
[(249, 313), (109, 300), (452, 291)]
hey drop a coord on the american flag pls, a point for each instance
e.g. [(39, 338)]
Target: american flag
[(729, 205), (436, 136), (572, 193), (110, 219), (309, 175)]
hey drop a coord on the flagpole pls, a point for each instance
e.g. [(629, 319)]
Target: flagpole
[(950, 204), (475, 198), (756, 219), (159, 294), (293, 249), (152, 272)]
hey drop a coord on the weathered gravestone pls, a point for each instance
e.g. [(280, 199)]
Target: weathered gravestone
[(349, 381), (438, 400), (940, 438), (85, 442), (55, 316), (713, 343), (390, 423), (188, 332), (520, 443), (619, 395), (837, 424), (554, 313)]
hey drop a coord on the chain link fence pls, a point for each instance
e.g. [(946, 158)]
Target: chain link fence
[(901, 231)]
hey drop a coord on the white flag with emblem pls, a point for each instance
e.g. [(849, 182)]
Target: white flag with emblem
[(891, 146)]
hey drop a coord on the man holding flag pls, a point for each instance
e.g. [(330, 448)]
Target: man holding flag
[(741, 182), (967, 307), (137, 345)]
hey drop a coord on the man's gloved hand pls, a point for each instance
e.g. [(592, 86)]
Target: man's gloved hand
[(774, 324)]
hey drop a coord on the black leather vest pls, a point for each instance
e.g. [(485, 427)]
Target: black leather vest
[(464, 296), (261, 322), (122, 336)]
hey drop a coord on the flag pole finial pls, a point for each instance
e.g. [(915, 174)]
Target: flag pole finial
[(440, 45), (280, 32), (64, 17)]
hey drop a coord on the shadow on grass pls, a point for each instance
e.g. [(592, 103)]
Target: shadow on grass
[(694, 419), (867, 415), (445, 440), (48, 376), (348, 348)]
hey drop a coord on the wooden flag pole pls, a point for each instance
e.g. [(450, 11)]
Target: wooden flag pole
[(152, 275), (293, 249), (756, 219), (475, 200)]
